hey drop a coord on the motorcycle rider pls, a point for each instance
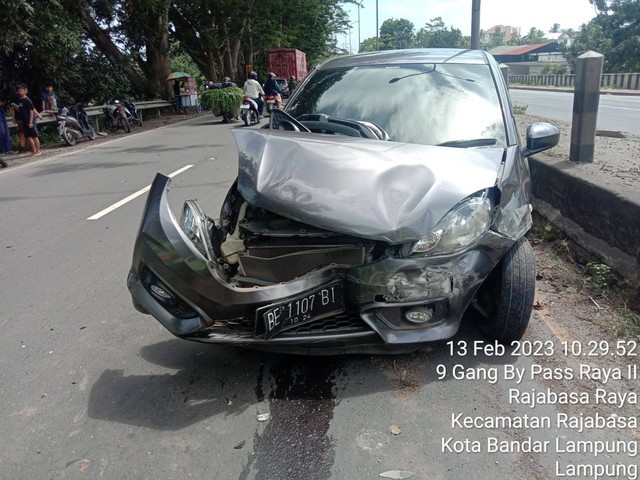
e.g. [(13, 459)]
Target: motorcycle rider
[(253, 90), (272, 88), (226, 83), (292, 84)]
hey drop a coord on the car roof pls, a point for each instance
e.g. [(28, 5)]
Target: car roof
[(417, 55)]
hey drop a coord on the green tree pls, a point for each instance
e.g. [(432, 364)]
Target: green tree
[(235, 33), (48, 45), (591, 38), (495, 40), (396, 34), (619, 21), (534, 36), (516, 39), (128, 42), (435, 35), (368, 45), (555, 28), (555, 69)]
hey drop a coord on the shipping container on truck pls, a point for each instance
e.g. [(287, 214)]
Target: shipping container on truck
[(285, 62)]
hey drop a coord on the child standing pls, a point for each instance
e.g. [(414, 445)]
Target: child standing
[(27, 114)]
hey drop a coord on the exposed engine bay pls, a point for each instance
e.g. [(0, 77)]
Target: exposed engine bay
[(263, 248)]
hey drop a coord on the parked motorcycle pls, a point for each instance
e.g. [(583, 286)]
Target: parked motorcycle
[(73, 123), (249, 111), (133, 115), (116, 116)]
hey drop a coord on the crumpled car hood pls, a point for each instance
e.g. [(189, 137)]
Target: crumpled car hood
[(394, 192)]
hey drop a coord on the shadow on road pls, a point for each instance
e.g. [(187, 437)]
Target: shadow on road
[(213, 380), (301, 392), (66, 168)]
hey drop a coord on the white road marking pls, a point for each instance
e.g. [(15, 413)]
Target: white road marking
[(620, 108), (122, 202)]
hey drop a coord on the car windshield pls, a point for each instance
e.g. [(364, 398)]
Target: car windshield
[(433, 104)]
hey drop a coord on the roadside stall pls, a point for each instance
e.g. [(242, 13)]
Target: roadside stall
[(188, 90)]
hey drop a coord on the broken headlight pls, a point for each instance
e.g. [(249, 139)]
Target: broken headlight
[(194, 225), (461, 227)]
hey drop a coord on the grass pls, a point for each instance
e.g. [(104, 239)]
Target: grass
[(628, 324), (565, 263), (520, 109)]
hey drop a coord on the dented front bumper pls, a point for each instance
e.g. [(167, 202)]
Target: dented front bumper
[(192, 297)]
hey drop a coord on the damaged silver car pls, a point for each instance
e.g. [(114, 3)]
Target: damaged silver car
[(390, 195)]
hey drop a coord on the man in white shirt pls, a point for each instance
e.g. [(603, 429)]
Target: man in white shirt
[(253, 90)]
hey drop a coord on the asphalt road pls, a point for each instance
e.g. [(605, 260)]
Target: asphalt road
[(616, 112), (90, 388)]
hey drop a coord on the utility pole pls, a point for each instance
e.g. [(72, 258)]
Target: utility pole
[(377, 31), (475, 24), (359, 7)]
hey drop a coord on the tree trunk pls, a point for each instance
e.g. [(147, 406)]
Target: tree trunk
[(158, 64), (110, 49)]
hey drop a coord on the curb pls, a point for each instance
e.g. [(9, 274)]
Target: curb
[(601, 219)]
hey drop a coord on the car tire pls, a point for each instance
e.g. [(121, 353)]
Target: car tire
[(505, 299)]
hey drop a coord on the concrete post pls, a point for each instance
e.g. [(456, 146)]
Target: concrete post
[(585, 106), (505, 73)]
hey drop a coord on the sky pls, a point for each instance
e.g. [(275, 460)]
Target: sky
[(525, 14)]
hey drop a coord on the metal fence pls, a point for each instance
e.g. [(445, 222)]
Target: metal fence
[(95, 112), (629, 81)]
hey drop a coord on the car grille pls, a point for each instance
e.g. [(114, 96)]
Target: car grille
[(342, 323), (345, 322)]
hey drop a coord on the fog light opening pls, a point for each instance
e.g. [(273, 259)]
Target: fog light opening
[(160, 292), (419, 315)]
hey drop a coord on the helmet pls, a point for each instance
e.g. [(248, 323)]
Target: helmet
[(271, 75), (293, 77), (253, 75), (226, 80)]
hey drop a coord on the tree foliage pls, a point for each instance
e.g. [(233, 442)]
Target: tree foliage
[(620, 24), (494, 40), (436, 35), (400, 34), (591, 38), (613, 32), (125, 46), (396, 34)]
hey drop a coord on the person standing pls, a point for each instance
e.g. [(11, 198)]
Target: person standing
[(27, 114), (18, 121), (176, 94), (5, 135)]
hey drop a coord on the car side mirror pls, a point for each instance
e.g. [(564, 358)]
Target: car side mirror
[(541, 136)]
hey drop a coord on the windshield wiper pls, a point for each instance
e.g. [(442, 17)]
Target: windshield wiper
[(475, 142)]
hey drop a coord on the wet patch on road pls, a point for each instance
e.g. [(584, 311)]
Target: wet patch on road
[(294, 444)]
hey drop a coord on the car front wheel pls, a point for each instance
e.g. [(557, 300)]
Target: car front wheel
[(505, 299)]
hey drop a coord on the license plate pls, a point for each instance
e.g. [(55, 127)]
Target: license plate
[(317, 304), (243, 107)]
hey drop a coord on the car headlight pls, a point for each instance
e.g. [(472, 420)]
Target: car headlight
[(461, 227), (193, 223)]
